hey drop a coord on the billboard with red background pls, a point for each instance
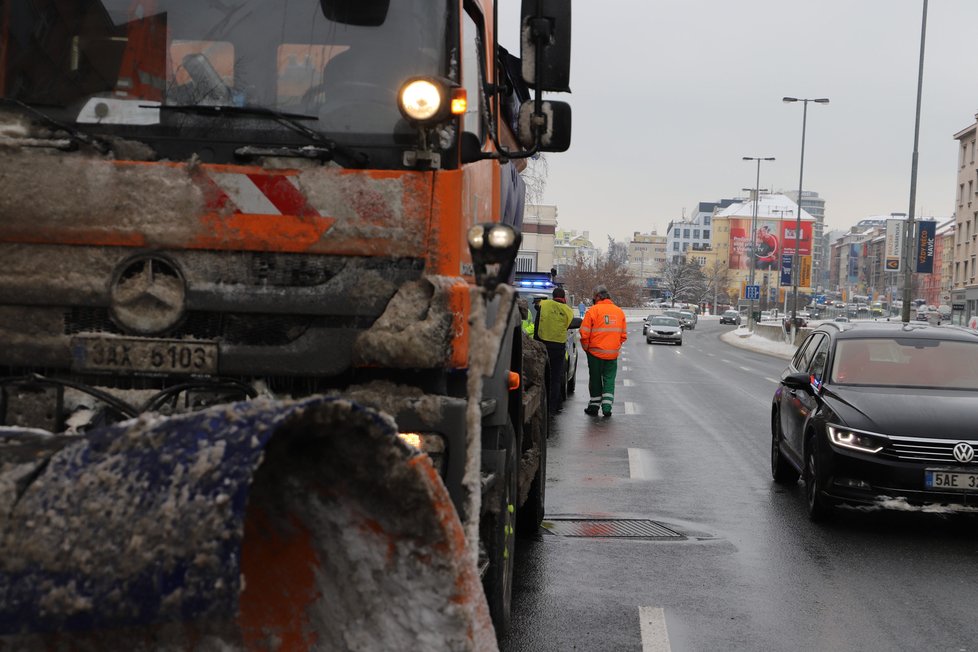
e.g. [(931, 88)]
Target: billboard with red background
[(773, 238)]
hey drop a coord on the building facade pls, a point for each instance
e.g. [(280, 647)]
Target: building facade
[(646, 257), (536, 252), (568, 245), (696, 232), (964, 293)]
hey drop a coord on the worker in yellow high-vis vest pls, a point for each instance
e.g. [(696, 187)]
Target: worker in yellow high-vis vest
[(603, 331), (553, 318)]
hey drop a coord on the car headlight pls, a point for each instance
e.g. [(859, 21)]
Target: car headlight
[(863, 442), (427, 100)]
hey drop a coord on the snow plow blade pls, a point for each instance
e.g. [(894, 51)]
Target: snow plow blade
[(255, 526)]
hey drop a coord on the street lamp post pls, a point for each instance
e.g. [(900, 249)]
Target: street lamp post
[(753, 227), (796, 262), (908, 261)]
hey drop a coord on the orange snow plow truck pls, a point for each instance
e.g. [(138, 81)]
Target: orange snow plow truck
[(262, 379)]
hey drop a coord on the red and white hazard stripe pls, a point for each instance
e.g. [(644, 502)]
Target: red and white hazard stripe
[(256, 193)]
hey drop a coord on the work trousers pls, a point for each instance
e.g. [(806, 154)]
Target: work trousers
[(601, 382), (557, 351)]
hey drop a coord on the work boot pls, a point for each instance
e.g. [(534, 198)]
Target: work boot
[(606, 410), (591, 410)]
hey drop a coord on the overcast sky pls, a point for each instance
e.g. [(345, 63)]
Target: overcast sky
[(669, 95)]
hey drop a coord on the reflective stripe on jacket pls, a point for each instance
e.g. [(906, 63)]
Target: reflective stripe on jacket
[(603, 330)]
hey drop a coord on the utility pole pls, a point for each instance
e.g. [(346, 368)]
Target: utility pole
[(753, 229), (909, 259)]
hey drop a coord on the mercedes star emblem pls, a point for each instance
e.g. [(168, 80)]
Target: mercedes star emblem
[(148, 295)]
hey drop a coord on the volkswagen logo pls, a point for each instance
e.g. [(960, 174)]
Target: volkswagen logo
[(148, 295), (964, 452)]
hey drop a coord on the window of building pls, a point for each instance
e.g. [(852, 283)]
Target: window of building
[(675, 246), (685, 233), (960, 193), (706, 234), (696, 234), (972, 152), (706, 220)]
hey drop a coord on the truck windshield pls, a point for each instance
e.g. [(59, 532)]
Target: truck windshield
[(112, 63)]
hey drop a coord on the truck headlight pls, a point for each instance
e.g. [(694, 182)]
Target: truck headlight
[(428, 100)]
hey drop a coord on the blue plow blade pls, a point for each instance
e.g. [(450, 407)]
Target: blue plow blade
[(257, 525), (137, 524)]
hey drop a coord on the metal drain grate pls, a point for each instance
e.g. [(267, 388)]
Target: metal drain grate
[(610, 528)]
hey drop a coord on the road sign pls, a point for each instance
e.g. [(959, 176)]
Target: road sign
[(752, 292)]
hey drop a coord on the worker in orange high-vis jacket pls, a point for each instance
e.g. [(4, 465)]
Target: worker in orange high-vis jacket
[(602, 334)]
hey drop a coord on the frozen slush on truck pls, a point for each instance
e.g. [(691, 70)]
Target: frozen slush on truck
[(262, 379)]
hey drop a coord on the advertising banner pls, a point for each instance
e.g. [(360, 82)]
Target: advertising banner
[(893, 245), (786, 269), (805, 278), (924, 249), (772, 239), (853, 264)]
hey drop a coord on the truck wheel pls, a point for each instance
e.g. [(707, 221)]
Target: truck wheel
[(498, 535), (530, 514)]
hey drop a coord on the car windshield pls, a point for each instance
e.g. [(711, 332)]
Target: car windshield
[(906, 362), (113, 63), (686, 315), (664, 321)]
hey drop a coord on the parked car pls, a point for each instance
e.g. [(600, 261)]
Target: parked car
[(687, 319), (874, 411), (664, 329), (570, 361), (798, 322), (730, 317)]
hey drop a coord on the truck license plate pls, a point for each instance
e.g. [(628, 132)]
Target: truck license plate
[(937, 479), (131, 355)]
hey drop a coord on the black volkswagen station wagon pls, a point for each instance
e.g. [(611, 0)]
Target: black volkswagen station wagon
[(871, 413)]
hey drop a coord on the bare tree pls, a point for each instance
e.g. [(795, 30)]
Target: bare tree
[(582, 277), (684, 280), (535, 177), (717, 276)]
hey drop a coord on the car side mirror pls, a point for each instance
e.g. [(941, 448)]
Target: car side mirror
[(575, 323), (799, 380)]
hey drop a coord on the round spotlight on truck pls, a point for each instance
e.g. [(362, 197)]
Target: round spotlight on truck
[(501, 236), (476, 237), (423, 100)]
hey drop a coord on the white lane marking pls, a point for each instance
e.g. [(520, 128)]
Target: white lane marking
[(748, 369), (655, 636), (625, 367), (632, 408), (641, 464), (712, 355), (725, 360), (776, 382), (628, 383)]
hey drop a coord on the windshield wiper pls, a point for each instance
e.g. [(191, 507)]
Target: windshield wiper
[(74, 135), (327, 147)]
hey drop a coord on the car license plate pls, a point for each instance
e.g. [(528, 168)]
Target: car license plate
[(953, 480), (132, 355)]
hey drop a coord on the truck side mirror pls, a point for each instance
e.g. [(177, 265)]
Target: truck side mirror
[(554, 125), (545, 36)]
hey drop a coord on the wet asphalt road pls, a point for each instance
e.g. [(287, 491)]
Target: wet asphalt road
[(688, 448)]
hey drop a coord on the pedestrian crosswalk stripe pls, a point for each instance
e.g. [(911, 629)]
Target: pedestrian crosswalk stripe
[(641, 464), (632, 408), (627, 382)]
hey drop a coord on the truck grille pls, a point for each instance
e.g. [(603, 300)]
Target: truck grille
[(938, 451)]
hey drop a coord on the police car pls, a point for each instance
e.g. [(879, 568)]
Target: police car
[(534, 287)]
